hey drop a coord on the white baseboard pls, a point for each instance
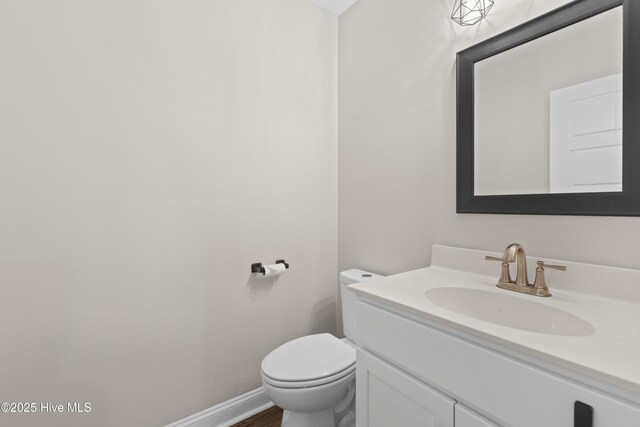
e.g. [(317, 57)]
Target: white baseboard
[(229, 412)]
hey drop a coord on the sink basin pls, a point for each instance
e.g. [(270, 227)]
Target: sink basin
[(510, 311)]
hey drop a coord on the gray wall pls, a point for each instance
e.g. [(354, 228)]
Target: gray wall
[(149, 152), (397, 146)]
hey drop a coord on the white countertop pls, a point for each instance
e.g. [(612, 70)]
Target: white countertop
[(610, 354)]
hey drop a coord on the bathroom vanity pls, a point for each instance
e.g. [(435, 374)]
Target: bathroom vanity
[(443, 346)]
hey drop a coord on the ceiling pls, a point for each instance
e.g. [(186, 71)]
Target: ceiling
[(336, 7)]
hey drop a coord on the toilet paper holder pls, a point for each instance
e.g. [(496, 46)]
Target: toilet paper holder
[(257, 267)]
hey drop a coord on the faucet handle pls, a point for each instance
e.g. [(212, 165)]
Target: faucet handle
[(505, 276), (540, 284), (555, 267)]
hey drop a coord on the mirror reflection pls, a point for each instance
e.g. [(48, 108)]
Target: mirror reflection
[(548, 113)]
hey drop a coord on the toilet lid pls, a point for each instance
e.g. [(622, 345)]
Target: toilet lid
[(309, 358)]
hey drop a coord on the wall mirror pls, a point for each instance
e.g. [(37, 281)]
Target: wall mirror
[(547, 113)]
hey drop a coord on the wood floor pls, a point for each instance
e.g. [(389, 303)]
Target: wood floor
[(272, 417)]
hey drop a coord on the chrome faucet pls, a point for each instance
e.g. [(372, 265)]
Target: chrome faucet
[(515, 253)]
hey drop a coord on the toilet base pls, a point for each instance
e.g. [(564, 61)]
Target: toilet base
[(323, 418)]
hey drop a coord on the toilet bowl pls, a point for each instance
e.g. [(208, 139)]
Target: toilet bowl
[(309, 377), (312, 378)]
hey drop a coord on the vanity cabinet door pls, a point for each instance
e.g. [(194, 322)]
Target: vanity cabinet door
[(465, 417), (387, 397)]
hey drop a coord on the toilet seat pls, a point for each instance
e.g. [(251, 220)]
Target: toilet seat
[(309, 361), (308, 383)]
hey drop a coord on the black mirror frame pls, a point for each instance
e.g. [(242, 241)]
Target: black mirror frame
[(624, 203)]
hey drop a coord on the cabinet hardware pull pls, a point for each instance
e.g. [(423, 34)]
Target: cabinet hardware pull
[(582, 415)]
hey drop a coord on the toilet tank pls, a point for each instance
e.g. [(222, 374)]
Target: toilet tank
[(347, 278)]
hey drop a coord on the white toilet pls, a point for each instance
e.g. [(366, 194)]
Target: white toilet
[(313, 378)]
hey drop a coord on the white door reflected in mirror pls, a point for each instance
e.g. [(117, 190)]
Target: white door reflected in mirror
[(585, 152)]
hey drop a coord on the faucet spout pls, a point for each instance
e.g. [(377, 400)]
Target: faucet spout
[(515, 252)]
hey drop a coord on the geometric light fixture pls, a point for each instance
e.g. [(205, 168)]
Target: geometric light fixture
[(470, 12)]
